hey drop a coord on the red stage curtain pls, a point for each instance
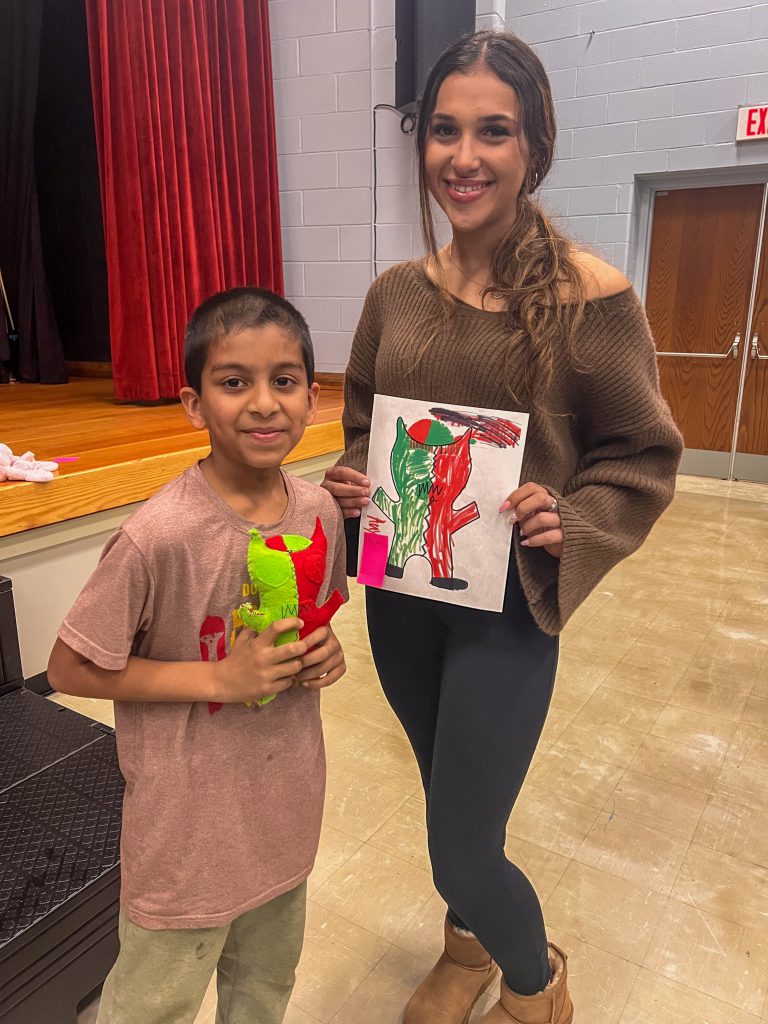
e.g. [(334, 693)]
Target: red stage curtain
[(185, 129)]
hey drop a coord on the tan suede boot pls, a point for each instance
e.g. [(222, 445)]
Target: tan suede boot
[(453, 986), (552, 1006)]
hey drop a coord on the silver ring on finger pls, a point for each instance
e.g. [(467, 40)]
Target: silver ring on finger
[(554, 507)]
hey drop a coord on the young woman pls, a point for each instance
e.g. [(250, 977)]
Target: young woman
[(509, 315)]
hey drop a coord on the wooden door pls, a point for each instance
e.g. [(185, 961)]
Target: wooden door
[(700, 278), (753, 424)]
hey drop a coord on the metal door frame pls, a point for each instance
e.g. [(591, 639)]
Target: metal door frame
[(750, 344), (725, 465)]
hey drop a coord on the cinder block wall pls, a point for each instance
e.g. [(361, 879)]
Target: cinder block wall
[(332, 61), (642, 88), (321, 55)]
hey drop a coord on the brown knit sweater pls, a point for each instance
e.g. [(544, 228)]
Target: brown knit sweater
[(611, 462)]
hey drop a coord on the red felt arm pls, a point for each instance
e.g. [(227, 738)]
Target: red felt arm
[(331, 606), (315, 617)]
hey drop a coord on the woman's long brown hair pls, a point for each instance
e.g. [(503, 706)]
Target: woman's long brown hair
[(533, 268)]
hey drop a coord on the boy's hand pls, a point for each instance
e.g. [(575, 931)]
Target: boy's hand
[(324, 662), (256, 668)]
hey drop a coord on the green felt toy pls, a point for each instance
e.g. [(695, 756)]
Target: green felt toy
[(273, 574), (287, 572)]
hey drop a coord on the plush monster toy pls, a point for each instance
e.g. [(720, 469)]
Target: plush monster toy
[(287, 573)]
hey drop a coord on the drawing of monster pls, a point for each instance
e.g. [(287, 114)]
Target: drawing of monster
[(430, 469), (287, 572)]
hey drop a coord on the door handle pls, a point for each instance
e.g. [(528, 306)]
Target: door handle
[(733, 352), (755, 353)]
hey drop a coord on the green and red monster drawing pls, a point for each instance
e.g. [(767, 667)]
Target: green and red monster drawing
[(286, 572), (430, 469)]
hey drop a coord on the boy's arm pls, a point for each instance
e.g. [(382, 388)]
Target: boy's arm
[(92, 655), (254, 669), (140, 680)]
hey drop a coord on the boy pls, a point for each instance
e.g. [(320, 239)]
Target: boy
[(222, 811)]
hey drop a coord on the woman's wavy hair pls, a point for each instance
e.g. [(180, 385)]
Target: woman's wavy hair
[(533, 267)]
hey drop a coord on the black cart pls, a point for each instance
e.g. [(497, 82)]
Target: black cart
[(61, 795)]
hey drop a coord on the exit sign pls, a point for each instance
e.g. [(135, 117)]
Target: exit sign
[(753, 123)]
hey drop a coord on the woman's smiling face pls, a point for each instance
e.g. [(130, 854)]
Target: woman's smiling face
[(475, 156)]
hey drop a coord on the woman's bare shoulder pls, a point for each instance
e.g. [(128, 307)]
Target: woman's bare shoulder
[(600, 279)]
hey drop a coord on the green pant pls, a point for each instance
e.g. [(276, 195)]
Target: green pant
[(160, 977)]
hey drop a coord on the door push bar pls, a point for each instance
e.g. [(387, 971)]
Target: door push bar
[(733, 352)]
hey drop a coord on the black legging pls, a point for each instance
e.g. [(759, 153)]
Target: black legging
[(472, 690)]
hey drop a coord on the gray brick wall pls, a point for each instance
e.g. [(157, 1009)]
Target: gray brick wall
[(642, 88), (331, 63), (321, 66)]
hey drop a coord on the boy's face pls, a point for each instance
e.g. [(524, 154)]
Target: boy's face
[(255, 399)]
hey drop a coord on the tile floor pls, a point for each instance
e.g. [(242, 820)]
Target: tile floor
[(643, 821)]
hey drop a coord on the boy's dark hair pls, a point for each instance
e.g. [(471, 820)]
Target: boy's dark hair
[(235, 310)]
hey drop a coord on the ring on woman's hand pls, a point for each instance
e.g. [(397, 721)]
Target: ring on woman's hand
[(554, 507)]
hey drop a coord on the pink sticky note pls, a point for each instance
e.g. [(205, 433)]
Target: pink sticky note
[(65, 458), (373, 561)]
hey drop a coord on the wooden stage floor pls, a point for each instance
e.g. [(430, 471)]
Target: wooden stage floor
[(124, 452)]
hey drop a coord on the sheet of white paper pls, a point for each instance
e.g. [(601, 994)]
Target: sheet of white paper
[(438, 476)]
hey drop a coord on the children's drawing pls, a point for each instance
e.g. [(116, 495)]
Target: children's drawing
[(286, 573), (447, 469)]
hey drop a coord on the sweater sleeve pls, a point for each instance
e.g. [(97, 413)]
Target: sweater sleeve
[(360, 383), (630, 449)]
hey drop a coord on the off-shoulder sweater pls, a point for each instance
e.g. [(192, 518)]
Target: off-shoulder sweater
[(601, 439)]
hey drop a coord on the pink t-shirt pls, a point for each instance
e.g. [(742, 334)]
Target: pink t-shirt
[(222, 812)]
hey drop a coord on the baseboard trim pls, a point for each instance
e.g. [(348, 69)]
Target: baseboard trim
[(330, 380)]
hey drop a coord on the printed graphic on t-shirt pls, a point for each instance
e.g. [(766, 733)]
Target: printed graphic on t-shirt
[(212, 642)]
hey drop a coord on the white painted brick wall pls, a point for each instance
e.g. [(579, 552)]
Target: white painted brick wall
[(355, 168), (323, 77), (349, 129), (301, 18), (655, 89), (341, 51), (642, 87), (330, 65), (337, 206)]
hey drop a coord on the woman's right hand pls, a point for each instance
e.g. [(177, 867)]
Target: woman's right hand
[(352, 490)]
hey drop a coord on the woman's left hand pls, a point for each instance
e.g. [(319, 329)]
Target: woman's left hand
[(535, 511)]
